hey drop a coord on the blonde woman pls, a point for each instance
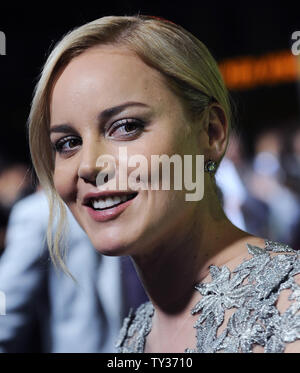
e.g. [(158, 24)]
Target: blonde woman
[(147, 87)]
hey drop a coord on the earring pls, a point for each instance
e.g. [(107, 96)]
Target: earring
[(210, 166)]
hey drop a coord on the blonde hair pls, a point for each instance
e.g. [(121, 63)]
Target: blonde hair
[(186, 64)]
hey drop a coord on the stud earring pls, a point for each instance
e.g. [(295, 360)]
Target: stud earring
[(210, 166)]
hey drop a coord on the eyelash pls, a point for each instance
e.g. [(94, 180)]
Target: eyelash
[(59, 144), (124, 122)]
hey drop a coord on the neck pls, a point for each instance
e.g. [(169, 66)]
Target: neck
[(171, 269)]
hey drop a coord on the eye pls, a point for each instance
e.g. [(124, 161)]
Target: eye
[(67, 144), (126, 128)]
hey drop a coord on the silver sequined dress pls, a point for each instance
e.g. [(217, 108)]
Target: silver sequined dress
[(252, 290)]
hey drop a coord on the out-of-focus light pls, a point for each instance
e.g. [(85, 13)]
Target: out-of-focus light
[(269, 69)]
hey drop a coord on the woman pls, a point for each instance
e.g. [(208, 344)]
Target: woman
[(148, 86)]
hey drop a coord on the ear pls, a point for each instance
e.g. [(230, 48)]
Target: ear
[(216, 127)]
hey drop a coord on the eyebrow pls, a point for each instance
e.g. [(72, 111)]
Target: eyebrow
[(103, 116)]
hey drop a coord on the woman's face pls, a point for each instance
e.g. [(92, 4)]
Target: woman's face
[(105, 99)]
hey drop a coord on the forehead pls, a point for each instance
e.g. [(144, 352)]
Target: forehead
[(110, 74)]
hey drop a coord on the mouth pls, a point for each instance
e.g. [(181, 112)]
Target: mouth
[(107, 205), (108, 202)]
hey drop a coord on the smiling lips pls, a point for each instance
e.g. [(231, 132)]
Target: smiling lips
[(107, 205)]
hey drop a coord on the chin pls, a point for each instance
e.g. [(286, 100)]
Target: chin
[(112, 250), (110, 245)]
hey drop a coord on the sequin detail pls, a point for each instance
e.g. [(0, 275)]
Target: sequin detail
[(256, 320)]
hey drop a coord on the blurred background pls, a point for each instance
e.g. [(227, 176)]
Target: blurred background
[(260, 176)]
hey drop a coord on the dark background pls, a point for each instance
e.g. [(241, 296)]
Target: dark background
[(228, 28)]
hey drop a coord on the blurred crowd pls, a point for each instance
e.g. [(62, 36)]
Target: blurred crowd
[(15, 184), (261, 193)]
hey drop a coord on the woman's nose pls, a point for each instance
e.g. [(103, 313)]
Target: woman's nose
[(89, 167)]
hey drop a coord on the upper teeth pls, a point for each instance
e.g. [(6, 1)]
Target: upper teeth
[(105, 202)]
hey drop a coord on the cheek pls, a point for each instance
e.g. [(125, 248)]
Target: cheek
[(64, 182)]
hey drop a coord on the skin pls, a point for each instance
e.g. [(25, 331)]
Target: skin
[(171, 241)]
